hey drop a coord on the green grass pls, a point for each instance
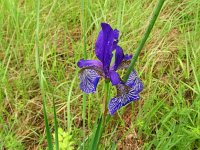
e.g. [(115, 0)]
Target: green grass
[(166, 117)]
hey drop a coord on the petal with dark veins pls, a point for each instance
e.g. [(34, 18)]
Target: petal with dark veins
[(124, 97), (126, 92), (89, 79), (135, 82)]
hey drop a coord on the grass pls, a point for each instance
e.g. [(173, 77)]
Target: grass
[(166, 117)]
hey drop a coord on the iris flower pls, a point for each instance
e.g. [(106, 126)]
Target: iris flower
[(92, 70)]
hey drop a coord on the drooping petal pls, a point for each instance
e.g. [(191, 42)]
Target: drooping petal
[(134, 82), (89, 79), (114, 77), (119, 56), (89, 63), (125, 95)]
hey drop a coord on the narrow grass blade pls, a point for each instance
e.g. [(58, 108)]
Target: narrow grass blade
[(84, 117), (102, 121), (68, 106), (83, 27), (97, 134), (55, 125), (41, 78), (48, 133), (85, 57)]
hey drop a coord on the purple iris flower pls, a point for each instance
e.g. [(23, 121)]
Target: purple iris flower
[(92, 70)]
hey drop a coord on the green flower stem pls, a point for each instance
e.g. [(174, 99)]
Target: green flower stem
[(144, 39), (104, 120), (106, 98)]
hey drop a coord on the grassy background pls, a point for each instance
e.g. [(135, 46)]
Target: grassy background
[(166, 117)]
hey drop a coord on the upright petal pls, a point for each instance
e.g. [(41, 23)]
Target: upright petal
[(116, 34), (99, 46), (116, 38), (124, 96), (119, 56), (114, 77), (125, 62), (89, 80), (108, 39), (104, 45)]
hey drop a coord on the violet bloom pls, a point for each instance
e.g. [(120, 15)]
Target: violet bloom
[(92, 70)]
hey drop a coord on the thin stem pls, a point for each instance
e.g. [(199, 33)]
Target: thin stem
[(106, 98), (101, 125), (55, 123), (85, 57), (144, 39), (41, 77), (83, 28), (37, 60)]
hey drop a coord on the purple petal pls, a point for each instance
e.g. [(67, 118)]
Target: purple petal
[(108, 39), (119, 56), (99, 46), (104, 46), (114, 45), (134, 82), (114, 77), (116, 37), (116, 34), (89, 80), (126, 62), (125, 95), (127, 57), (89, 63)]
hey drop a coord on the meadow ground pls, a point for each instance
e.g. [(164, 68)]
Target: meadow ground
[(166, 117)]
